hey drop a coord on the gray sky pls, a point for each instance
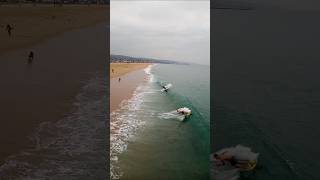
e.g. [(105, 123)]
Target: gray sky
[(174, 30)]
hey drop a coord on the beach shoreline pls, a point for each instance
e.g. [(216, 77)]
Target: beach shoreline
[(121, 69), (148, 122), (32, 25), (131, 75), (45, 90), (123, 94)]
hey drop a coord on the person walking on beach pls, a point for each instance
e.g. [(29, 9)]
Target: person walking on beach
[(9, 29), (119, 79), (30, 57)]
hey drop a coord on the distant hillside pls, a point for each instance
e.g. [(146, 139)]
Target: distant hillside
[(129, 59)]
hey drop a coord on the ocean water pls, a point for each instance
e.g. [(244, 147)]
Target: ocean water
[(149, 140), (72, 148), (266, 90)]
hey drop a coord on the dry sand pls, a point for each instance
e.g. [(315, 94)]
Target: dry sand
[(124, 68), (131, 75), (33, 24), (45, 90)]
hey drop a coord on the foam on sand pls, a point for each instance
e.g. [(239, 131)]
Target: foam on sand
[(124, 124)]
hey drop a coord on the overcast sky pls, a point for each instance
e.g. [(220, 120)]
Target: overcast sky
[(173, 30)]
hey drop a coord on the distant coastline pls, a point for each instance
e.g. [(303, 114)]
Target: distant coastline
[(129, 59)]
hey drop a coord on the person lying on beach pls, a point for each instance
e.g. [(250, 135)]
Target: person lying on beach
[(30, 57), (9, 29), (225, 157)]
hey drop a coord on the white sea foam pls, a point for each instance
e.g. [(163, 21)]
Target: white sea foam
[(125, 123), (71, 146), (171, 115), (147, 70)]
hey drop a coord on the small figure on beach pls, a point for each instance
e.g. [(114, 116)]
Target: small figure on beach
[(9, 29), (119, 79), (112, 70), (30, 57)]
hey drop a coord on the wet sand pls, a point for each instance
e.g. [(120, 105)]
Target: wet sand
[(131, 74), (45, 90), (34, 24)]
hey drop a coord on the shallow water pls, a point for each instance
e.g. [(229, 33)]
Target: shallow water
[(73, 147), (152, 141)]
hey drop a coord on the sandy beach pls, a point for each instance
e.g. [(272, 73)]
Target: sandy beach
[(33, 24), (120, 69), (69, 49), (131, 75)]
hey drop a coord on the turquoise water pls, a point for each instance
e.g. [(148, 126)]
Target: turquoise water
[(152, 141)]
